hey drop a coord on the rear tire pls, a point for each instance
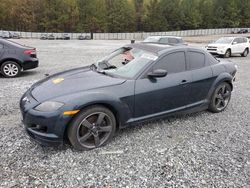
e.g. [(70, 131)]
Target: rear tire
[(10, 69), (245, 53), (91, 128), (220, 98), (227, 54)]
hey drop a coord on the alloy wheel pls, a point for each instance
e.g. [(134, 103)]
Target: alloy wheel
[(222, 97), (10, 70), (94, 130)]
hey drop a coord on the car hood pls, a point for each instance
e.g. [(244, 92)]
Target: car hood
[(217, 45), (72, 81)]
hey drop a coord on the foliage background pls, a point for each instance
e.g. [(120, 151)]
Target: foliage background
[(122, 15)]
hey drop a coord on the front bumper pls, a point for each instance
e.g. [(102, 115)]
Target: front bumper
[(45, 128), (31, 64), (216, 51)]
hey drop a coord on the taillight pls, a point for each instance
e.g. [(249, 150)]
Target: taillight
[(30, 52)]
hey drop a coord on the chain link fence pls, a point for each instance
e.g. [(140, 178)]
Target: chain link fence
[(136, 36)]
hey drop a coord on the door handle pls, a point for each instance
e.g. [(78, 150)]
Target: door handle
[(183, 82)]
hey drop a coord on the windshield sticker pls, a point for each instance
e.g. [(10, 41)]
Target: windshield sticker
[(149, 56)]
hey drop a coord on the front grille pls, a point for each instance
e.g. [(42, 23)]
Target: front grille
[(212, 47)]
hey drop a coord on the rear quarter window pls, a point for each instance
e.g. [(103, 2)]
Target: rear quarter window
[(173, 40), (196, 60)]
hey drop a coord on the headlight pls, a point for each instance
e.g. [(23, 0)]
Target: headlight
[(49, 106)]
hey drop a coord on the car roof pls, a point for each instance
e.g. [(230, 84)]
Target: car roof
[(13, 44), (234, 37), (162, 36), (159, 49)]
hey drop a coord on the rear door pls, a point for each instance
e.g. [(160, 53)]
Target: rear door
[(244, 44), (236, 46), (202, 76)]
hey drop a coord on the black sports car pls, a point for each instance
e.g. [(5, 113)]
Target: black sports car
[(134, 83)]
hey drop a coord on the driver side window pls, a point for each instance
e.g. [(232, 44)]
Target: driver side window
[(172, 63)]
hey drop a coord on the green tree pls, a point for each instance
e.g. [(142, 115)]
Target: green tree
[(154, 21)]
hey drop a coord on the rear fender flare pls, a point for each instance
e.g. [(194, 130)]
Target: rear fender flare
[(224, 77)]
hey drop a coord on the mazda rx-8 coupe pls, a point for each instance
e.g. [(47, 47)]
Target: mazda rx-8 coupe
[(137, 82)]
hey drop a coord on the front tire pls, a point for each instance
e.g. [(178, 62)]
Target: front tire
[(220, 98), (10, 69), (92, 128), (227, 54), (245, 53)]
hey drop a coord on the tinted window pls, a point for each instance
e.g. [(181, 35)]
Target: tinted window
[(237, 40), (180, 41), (196, 60), (164, 40), (244, 40), (173, 40), (173, 63)]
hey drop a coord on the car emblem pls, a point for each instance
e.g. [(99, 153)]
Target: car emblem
[(58, 80), (25, 99)]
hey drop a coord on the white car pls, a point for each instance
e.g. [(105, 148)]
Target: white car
[(227, 46), (168, 40)]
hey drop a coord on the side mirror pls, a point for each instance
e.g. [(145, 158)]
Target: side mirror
[(234, 43), (157, 73)]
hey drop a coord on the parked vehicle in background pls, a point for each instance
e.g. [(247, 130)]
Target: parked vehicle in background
[(44, 37), (87, 105), (15, 35), (66, 36), (5, 34), (15, 58), (83, 37), (227, 46), (243, 31), (51, 37), (168, 40)]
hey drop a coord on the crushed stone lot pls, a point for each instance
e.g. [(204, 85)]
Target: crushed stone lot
[(197, 150)]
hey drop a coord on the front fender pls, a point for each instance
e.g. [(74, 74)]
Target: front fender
[(121, 107)]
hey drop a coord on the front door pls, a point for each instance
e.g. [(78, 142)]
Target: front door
[(166, 94)]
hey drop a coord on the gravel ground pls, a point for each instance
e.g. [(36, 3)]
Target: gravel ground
[(197, 150)]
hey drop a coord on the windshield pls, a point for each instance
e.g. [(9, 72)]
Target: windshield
[(224, 40), (125, 62), (151, 39)]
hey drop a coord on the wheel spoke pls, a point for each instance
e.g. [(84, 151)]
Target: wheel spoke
[(219, 97), (100, 118), (223, 103), (97, 140), (227, 94), (223, 89), (218, 103), (85, 123), (85, 137), (105, 129)]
